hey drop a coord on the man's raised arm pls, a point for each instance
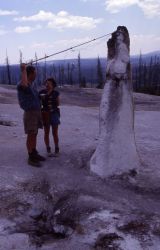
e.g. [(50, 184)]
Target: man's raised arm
[(24, 80)]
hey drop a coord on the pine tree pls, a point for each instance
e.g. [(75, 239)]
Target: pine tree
[(144, 76), (136, 80), (79, 71), (68, 73), (71, 74), (8, 70), (140, 71), (62, 74), (59, 75), (150, 73), (100, 80), (83, 82), (54, 72)]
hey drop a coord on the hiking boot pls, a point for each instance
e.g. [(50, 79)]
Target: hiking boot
[(33, 162), (38, 157)]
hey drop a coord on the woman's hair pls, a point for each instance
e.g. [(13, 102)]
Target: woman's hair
[(54, 84)]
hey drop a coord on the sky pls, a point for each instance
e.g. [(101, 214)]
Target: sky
[(43, 27)]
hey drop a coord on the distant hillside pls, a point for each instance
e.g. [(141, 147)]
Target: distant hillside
[(145, 57), (91, 62)]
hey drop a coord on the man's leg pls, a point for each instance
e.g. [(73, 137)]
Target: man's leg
[(31, 142), (31, 147), (31, 125)]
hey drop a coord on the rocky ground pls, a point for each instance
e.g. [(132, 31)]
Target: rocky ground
[(63, 205)]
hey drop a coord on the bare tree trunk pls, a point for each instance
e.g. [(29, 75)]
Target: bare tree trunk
[(20, 56), (116, 151), (37, 70), (45, 70)]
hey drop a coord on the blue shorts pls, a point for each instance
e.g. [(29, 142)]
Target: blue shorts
[(54, 119)]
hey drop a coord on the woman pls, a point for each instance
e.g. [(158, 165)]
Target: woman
[(50, 114)]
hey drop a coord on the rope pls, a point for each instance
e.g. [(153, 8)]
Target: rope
[(62, 51)]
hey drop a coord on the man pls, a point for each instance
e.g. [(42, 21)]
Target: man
[(29, 101)]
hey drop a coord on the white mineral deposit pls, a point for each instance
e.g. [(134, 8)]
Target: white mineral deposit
[(116, 152)]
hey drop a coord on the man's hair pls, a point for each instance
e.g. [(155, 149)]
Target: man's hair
[(54, 84), (30, 69)]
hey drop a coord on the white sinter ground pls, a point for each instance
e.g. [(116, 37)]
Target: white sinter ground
[(113, 208)]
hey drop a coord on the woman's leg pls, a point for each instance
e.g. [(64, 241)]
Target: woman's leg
[(46, 136), (55, 138), (46, 124)]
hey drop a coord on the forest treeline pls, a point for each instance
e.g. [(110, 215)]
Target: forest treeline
[(146, 75), (88, 73)]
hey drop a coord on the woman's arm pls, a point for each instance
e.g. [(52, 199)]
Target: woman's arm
[(58, 101)]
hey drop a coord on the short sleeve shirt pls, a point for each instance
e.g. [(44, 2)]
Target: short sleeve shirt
[(28, 97), (49, 101)]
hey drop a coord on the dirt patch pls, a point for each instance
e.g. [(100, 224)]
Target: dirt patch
[(7, 123), (108, 242)]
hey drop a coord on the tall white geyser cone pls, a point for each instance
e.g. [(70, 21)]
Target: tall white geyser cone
[(116, 152)]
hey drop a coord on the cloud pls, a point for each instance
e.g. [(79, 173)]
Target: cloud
[(68, 21), (36, 45), (115, 6), (151, 8), (8, 12), (62, 20), (40, 16), (26, 29)]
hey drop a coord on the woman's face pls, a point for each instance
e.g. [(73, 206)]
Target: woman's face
[(49, 85), (32, 75)]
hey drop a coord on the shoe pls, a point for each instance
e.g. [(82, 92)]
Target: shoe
[(38, 156), (56, 150), (33, 162), (49, 153), (48, 149)]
